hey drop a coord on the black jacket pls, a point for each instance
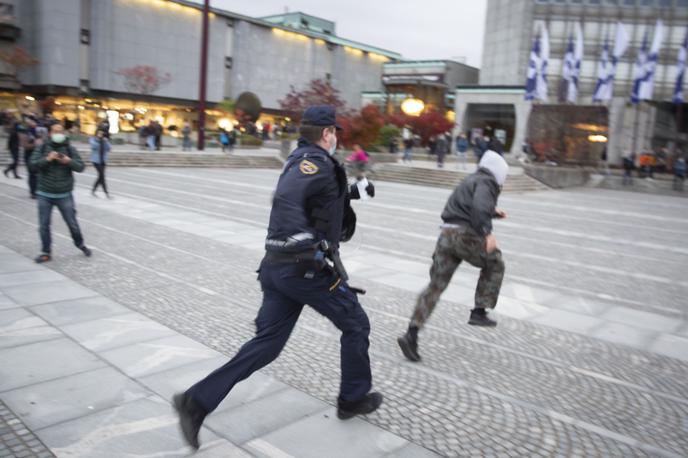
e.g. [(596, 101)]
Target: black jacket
[(473, 202)]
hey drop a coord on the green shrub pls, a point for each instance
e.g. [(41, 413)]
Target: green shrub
[(387, 132)]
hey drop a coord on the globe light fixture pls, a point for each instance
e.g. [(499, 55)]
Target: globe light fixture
[(412, 106), (597, 138)]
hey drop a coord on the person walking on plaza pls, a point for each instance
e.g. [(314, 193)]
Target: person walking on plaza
[(55, 161), (13, 143), (679, 173), (150, 136), (461, 150), (186, 137), (157, 131), (31, 137), (441, 149), (310, 215), (466, 235), (224, 140), (628, 166), (100, 149)]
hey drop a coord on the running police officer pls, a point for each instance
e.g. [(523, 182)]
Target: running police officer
[(466, 235), (310, 215)]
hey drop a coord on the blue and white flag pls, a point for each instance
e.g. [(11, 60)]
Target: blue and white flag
[(606, 70), (567, 69), (681, 69), (536, 78), (645, 66), (575, 65)]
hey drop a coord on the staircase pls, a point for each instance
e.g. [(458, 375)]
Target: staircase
[(446, 178)]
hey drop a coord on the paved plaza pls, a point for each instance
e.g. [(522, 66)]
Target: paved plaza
[(590, 357)]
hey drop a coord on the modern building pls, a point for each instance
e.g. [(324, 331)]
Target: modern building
[(512, 25), (82, 47), (431, 82)]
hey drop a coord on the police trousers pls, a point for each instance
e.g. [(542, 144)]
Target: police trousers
[(285, 292), (454, 245)]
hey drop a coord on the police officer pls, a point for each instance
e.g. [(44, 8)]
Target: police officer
[(466, 235), (310, 216)]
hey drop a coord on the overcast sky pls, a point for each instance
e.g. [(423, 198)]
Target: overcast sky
[(418, 29)]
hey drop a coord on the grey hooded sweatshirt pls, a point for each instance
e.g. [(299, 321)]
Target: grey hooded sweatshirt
[(474, 200)]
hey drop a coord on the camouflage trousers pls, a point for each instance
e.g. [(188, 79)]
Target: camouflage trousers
[(454, 245)]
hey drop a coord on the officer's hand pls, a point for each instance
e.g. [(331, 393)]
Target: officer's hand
[(501, 214), (370, 189), (490, 243)]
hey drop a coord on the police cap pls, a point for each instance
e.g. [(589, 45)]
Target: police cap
[(320, 115)]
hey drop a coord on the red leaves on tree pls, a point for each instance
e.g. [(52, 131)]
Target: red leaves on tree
[(318, 92), (18, 57), (361, 127), (426, 125), (144, 79)]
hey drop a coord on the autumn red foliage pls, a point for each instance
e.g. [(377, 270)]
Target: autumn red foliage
[(144, 79), (317, 92), (18, 57), (426, 125), (360, 127)]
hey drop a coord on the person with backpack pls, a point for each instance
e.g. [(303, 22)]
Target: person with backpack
[(224, 140), (100, 148)]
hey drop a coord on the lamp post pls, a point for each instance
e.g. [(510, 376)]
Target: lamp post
[(203, 77)]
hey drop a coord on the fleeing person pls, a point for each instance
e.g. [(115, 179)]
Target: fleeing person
[(100, 149), (465, 235), (307, 222), (55, 161)]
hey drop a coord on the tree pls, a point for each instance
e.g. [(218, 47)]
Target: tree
[(362, 127), (426, 125), (144, 79), (317, 92)]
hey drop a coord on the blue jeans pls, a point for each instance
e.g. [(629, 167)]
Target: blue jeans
[(285, 291), (66, 207), (150, 141)]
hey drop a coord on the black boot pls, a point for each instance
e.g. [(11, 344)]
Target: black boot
[(409, 344), (348, 409), (479, 318), (191, 417)]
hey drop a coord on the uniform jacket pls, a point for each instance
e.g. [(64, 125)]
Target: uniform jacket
[(309, 202), (473, 202), (53, 177)]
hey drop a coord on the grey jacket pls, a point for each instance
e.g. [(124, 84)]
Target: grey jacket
[(473, 202)]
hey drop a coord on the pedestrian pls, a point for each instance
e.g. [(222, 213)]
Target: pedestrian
[(604, 165), (679, 173), (143, 136), (55, 161), (480, 146), (461, 150), (232, 139), (358, 161), (408, 150), (157, 131), (441, 149), (30, 138), (13, 144), (310, 215), (466, 235), (100, 149), (224, 140), (104, 127), (496, 145), (628, 166), (150, 135), (186, 137)]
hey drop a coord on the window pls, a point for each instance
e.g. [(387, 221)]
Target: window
[(228, 62), (629, 2), (85, 37)]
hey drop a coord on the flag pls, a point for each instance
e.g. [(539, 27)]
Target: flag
[(533, 68), (567, 69), (541, 89), (572, 92), (681, 69), (606, 70), (644, 75)]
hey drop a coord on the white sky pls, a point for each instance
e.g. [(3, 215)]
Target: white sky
[(417, 29)]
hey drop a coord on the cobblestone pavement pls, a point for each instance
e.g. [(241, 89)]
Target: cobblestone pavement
[(590, 357), (16, 440)]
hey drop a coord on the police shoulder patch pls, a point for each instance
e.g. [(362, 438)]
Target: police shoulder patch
[(308, 168)]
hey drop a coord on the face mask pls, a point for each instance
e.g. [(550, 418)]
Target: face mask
[(58, 138), (333, 148)]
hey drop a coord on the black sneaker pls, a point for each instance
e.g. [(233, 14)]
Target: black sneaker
[(479, 318), (348, 409), (191, 417), (42, 258), (87, 251), (409, 346)]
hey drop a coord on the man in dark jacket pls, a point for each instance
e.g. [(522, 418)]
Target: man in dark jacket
[(13, 143), (54, 163), (310, 211), (466, 235)]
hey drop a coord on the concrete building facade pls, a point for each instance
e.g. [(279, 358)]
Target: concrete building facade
[(511, 26), (82, 45)]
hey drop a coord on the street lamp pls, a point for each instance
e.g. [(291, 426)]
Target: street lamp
[(412, 106)]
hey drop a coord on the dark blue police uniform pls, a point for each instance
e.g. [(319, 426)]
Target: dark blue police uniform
[(308, 208)]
